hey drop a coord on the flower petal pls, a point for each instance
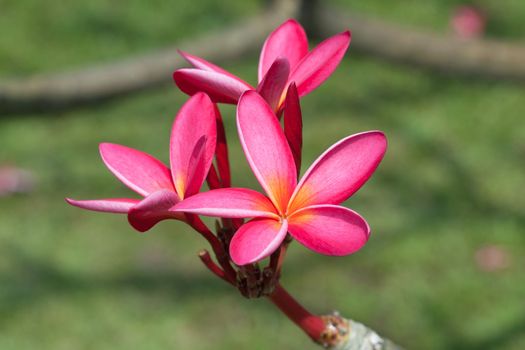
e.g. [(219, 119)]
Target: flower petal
[(340, 171), (288, 41), (220, 87), (228, 203), (152, 209), (293, 124), (272, 86), (256, 240), (137, 170), (201, 63), (266, 148), (192, 144), (320, 63), (329, 229), (111, 205)]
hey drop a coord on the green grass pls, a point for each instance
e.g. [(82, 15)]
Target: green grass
[(452, 182)]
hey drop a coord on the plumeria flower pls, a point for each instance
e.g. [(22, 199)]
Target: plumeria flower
[(308, 210), (15, 180), (192, 146), (468, 22), (284, 58)]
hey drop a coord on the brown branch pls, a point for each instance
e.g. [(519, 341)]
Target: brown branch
[(481, 58), (360, 337), (87, 85), (446, 53), (333, 331)]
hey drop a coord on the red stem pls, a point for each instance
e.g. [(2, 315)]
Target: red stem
[(311, 324), (223, 259), (196, 223), (221, 151), (208, 262), (213, 178)]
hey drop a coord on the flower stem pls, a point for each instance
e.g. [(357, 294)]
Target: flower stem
[(213, 178), (204, 255), (311, 324), (222, 257), (221, 151)]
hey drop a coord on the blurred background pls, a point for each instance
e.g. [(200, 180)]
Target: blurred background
[(443, 268)]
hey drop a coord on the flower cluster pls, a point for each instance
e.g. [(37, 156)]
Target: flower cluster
[(305, 208)]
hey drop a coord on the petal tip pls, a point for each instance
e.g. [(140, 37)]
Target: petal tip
[(292, 22), (381, 136), (203, 97), (138, 224), (241, 259), (181, 73), (176, 76), (105, 147), (245, 96), (346, 36)]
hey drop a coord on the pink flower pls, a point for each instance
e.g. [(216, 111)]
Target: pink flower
[(284, 58), (192, 146), (15, 180), (468, 22), (307, 209)]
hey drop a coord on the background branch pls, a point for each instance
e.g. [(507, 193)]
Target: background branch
[(446, 53), (92, 84)]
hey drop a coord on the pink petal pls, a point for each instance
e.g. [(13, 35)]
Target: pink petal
[(192, 144), (320, 63), (266, 148), (137, 170), (272, 86), (221, 151), (201, 63), (329, 229), (220, 87), (152, 209), (293, 124), (228, 203), (256, 240), (340, 171), (288, 41), (112, 205)]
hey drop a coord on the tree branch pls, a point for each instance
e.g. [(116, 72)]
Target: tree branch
[(330, 331), (357, 336), (478, 58), (449, 54), (92, 84)]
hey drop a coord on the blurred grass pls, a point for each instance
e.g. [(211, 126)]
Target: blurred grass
[(452, 182)]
